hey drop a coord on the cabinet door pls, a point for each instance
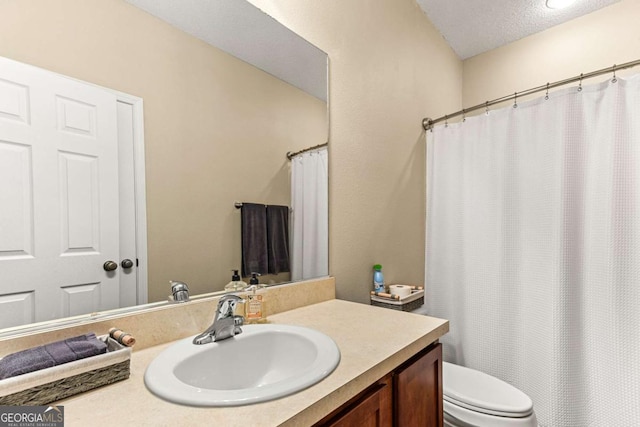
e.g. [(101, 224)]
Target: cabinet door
[(418, 390), (374, 409)]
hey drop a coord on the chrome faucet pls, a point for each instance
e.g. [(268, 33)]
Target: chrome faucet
[(225, 323), (180, 291)]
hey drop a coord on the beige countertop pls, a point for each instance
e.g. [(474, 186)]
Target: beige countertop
[(372, 340)]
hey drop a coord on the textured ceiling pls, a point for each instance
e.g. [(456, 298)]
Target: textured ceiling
[(475, 26), (242, 30)]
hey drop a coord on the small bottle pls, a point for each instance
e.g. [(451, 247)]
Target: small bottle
[(236, 283), (254, 278), (255, 307), (378, 278)]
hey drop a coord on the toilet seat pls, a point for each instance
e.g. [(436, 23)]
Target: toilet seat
[(479, 392), (457, 416)]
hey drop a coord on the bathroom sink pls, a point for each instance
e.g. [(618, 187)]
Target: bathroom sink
[(262, 363)]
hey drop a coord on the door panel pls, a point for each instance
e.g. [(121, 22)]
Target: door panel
[(418, 390), (14, 101), (17, 309), (16, 218), (59, 215), (80, 204), (372, 408), (127, 190), (76, 299), (76, 117)]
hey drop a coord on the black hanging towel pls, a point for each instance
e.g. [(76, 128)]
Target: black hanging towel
[(254, 239), (278, 238)]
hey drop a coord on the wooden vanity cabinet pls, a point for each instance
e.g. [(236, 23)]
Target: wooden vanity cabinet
[(371, 408), (410, 396), (417, 391)]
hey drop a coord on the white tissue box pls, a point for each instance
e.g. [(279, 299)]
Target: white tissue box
[(59, 382)]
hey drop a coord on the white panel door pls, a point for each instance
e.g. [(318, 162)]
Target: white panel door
[(127, 197), (58, 196)]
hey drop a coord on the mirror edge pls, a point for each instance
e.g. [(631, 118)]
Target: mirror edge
[(88, 319)]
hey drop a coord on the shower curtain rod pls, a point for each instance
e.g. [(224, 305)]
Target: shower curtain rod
[(291, 155), (428, 123)]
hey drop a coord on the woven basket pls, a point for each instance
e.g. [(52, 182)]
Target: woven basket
[(59, 382), (409, 303)]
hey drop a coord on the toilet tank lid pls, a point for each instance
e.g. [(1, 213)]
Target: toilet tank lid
[(481, 392)]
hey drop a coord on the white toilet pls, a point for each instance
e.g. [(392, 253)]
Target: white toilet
[(475, 399)]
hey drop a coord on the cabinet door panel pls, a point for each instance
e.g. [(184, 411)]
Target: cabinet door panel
[(374, 410), (418, 390)]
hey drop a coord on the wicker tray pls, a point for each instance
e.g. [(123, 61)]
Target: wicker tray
[(408, 303), (52, 384)]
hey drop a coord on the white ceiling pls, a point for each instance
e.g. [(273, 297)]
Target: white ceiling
[(475, 26)]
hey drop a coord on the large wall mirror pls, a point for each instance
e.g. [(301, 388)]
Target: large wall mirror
[(217, 129)]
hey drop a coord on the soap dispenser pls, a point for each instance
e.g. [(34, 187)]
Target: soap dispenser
[(255, 309), (254, 279), (236, 283)]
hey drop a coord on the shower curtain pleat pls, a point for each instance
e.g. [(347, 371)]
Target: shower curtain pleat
[(533, 249), (310, 216)]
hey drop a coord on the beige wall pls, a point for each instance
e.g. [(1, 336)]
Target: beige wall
[(216, 129), (389, 68), (598, 40)]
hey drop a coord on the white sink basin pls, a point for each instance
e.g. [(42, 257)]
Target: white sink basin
[(262, 363)]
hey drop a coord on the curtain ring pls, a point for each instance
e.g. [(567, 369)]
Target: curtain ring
[(464, 116), (446, 121), (547, 94), (486, 108), (615, 79), (515, 100), (580, 85)]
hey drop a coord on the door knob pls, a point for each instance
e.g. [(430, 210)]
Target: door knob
[(109, 266), (126, 263)]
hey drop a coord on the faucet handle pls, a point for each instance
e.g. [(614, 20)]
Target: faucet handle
[(229, 297), (227, 305)]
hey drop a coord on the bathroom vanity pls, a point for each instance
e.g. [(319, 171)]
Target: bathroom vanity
[(411, 395), (389, 369)]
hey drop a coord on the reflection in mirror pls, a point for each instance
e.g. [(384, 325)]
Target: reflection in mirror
[(216, 131)]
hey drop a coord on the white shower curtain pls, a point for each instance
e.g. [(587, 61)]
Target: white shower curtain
[(533, 250), (310, 217)]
